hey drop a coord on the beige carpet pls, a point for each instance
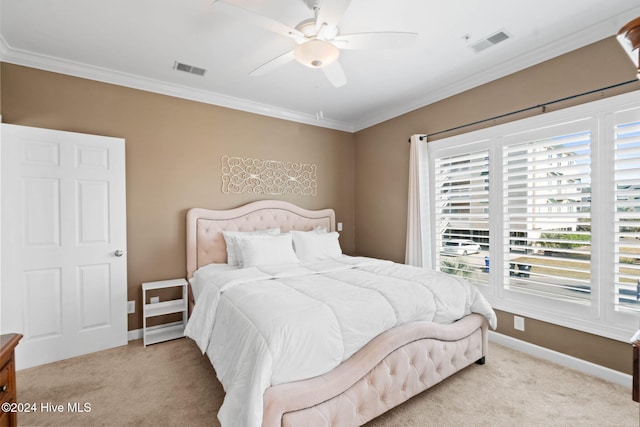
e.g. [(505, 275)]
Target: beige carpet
[(172, 384)]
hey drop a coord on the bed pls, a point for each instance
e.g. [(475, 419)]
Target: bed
[(311, 377)]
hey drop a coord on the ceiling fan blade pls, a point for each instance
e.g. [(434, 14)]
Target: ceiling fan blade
[(329, 15), (379, 40), (335, 74), (274, 63), (257, 19)]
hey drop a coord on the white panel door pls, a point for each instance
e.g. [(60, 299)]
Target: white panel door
[(64, 262)]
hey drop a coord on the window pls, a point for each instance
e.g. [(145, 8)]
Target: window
[(627, 213), (547, 212), (462, 212), (553, 205)]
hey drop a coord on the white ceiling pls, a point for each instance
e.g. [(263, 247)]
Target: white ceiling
[(135, 43)]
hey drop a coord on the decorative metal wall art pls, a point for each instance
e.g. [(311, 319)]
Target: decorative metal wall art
[(255, 176)]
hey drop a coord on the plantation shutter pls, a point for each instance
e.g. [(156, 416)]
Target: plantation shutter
[(462, 211), (559, 227), (627, 215), (547, 212)]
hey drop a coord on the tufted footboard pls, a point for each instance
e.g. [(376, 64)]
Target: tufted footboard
[(392, 368)]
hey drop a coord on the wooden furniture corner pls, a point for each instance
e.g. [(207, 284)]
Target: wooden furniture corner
[(8, 343)]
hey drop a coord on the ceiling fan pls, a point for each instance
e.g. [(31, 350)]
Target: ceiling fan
[(318, 39)]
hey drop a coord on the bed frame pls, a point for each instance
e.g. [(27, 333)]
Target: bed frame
[(393, 367)]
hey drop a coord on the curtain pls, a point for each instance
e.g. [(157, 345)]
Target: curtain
[(418, 250)]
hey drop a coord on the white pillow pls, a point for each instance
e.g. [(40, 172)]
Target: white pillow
[(318, 230), (316, 246), (267, 250), (234, 257)]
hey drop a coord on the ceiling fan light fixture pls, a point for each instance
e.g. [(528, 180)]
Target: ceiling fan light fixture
[(316, 53)]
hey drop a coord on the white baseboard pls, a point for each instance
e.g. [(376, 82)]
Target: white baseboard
[(136, 334), (563, 359)]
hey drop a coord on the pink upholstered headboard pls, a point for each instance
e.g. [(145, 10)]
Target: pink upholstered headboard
[(205, 244)]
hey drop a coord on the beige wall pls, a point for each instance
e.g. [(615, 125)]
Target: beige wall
[(382, 157), (173, 150)]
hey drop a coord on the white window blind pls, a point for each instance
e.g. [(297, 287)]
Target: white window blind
[(547, 215), (554, 204), (462, 214), (627, 216)]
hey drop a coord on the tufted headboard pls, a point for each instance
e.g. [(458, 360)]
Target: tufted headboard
[(205, 244)]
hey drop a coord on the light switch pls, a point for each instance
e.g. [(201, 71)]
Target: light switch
[(339, 226)]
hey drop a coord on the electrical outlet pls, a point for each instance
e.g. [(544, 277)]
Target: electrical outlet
[(154, 300), (339, 226), (518, 323), (131, 307)]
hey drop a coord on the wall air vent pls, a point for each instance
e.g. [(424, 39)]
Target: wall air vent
[(189, 68), (487, 42)]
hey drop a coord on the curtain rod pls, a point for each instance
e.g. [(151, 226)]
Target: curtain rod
[(543, 105)]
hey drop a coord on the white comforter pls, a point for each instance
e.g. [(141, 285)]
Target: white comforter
[(274, 324)]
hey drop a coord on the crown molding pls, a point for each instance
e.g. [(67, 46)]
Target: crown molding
[(4, 48), (57, 65), (592, 34), (584, 37)]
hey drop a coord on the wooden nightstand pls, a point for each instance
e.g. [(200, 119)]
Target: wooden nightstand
[(156, 334), (8, 343)]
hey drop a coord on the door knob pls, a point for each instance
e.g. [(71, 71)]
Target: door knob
[(118, 252)]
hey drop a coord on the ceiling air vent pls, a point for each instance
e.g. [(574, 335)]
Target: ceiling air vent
[(189, 68), (492, 40)]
